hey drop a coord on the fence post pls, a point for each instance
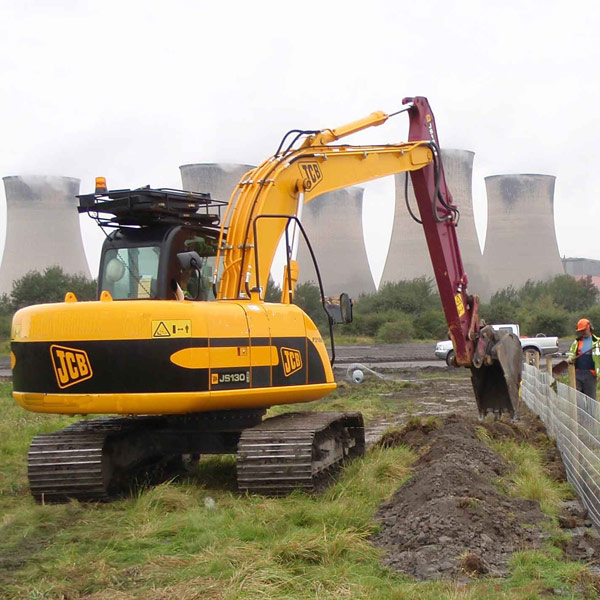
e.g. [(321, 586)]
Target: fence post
[(572, 379), (549, 365)]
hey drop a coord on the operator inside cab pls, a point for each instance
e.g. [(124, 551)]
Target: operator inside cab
[(190, 285), (181, 287), (195, 283)]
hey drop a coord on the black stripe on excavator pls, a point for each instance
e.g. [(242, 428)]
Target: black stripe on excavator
[(144, 366), (238, 341)]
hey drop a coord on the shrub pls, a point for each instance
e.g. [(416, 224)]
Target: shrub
[(273, 291), (308, 297), (367, 324), (553, 321), (573, 294), (411, 297), (499, 312), (5, 324), (50, 286), (393, 332), (430, 325)]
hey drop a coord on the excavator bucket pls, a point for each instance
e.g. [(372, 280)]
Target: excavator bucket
[(497, 380)]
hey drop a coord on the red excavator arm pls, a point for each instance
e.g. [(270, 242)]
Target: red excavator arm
[(495, 359), (438, 215)]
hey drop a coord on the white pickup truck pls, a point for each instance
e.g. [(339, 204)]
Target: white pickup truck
[(543, 345)]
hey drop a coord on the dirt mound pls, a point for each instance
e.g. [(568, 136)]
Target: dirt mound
[(449, 518)]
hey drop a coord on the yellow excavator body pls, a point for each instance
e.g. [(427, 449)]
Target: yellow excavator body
[(165, 357)]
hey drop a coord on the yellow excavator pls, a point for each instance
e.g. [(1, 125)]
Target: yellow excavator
[(183, 347)]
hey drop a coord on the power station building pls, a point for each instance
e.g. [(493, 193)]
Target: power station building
[(408, 256), (521, 238), (333, 223), (585, 267), (42, 228)]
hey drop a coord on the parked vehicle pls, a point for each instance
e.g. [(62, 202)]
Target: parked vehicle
[(542, 344)]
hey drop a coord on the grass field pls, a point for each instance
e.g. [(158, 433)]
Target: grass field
[(197, 538)]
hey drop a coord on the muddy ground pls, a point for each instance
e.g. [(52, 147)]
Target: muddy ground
[(409, 351), (451, 519)]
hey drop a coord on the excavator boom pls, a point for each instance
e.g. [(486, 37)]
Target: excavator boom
[(295, 176), (278, 186)]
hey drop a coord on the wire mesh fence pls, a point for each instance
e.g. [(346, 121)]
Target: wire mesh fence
[(573, 420)]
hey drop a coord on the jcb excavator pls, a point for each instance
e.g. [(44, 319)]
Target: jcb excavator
[(182, 344)]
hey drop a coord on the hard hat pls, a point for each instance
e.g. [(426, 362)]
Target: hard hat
[(582, 324)]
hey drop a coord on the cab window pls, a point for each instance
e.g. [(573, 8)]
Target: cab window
[(131, 273)]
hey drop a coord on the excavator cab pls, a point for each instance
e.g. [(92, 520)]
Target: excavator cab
[(150, 263), (163, 246)]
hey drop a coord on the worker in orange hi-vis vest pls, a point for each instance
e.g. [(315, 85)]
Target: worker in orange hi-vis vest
[(585, 353)]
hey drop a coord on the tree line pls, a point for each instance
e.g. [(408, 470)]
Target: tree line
[(397, 312), (412, 309)]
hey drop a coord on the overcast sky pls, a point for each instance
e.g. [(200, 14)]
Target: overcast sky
[(131, 90)]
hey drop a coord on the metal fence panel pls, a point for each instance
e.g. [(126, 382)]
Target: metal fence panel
[(572, 419)]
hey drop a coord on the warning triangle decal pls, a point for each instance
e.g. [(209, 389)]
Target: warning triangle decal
[(161, 331)]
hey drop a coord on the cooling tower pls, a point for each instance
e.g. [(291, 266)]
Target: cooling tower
[(521, 240), (42, 228), (408, 256), (217, 179), (333, 223)]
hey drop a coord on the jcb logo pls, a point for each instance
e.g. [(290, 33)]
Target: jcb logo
[(311, 175), (71, 366), (291, 360)]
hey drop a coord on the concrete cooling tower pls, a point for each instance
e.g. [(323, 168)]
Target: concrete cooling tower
[(217, 179), (408, 256), (42, 228), (521, 239), (333, 223)]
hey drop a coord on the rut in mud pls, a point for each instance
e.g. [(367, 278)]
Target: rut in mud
[(451, 518)]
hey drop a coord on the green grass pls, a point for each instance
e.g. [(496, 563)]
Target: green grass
[(527, 478), (17, 429), (199, 539)]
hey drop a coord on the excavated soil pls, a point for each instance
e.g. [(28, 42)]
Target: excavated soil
[(451, 519)]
